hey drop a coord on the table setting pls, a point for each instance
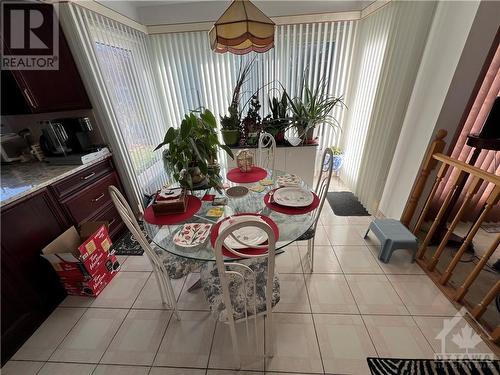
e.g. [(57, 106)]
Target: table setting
[(250, 193)]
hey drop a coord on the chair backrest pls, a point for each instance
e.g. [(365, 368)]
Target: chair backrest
[(130, 221), (239, 269), (323, 182), (266, 152)]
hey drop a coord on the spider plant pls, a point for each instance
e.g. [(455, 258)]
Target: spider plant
[(313, 106)]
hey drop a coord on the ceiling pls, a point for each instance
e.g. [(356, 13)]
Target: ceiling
[(161, 12)]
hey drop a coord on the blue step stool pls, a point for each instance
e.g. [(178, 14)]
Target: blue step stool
[(392, 236)]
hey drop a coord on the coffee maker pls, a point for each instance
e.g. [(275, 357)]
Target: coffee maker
[(65, 136)]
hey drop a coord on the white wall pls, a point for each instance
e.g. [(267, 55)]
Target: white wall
[(458, 43)]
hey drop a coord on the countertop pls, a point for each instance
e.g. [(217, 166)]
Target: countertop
[(21, 179)]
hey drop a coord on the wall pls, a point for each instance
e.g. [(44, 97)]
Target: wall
[(459, 40)]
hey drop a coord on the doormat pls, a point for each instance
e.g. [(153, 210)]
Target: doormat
[(345, 203), (491, 227), (390, 366), (127, 244)]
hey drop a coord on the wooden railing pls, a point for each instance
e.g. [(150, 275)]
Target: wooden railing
[(435, 158)]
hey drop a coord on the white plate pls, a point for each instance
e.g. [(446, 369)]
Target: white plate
[(250, 235), (192, 234), (288, 180), (293, 197)]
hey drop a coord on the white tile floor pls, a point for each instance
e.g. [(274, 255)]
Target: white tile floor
[(350, 308)]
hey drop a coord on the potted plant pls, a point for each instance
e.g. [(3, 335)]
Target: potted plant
[(312, 107), (231, 123), (191, 156), (230, 127), (252, 122), (277, 122), (338, 159)]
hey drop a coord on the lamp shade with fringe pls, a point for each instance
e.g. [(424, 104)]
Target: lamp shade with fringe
[(242, 28)]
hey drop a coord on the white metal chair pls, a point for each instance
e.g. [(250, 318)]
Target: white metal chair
[(321, 191), (159, 270), (239, 291), (266, 152)]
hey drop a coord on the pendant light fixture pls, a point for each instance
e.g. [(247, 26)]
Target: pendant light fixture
[(242, 28)]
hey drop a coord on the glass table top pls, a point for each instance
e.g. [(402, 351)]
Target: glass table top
[(291, 227)]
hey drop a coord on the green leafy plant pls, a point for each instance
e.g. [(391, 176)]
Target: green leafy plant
[(277, 122), (193, 145), (313, 106), (233, 120), (336, 150)]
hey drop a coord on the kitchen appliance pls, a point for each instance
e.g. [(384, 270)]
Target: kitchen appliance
[(65, 136), (11, 147)]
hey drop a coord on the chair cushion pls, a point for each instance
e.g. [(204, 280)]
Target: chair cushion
[(176, 266), (212, 288), (307, 235)]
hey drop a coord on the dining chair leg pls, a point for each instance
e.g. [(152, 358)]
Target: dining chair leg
[(310, 254), (270, 344), (160, 286), (234, 339), (171, 296)]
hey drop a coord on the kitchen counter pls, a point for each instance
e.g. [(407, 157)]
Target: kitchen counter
[(21, 179)]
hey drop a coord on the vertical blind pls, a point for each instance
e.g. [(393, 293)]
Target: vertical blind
[(190, 75), (390, 44), (147, 83)]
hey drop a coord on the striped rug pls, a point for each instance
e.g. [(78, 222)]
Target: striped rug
[(395, 366)]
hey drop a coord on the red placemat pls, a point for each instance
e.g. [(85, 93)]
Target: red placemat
[(250, 251), (255, 174), (193, 205), (291, 210)]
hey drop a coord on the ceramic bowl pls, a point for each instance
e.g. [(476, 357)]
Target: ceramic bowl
[(237, 191)]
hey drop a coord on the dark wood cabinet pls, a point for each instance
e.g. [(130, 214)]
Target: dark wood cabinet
[(30, 286), (40, 91)]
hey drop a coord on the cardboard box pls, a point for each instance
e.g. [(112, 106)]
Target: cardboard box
[(92, 287), (79, 254), (82, 259)]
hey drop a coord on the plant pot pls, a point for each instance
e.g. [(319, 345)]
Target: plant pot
[(253, 138), (230, 136), (310, 134), (198, 178), (280, 138), (338, 160)]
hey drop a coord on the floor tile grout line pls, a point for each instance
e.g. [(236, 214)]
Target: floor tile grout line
[(57, 346), (126, 316), (422, 333), (314, 326), (67, 334), (163, 337), (361, 315), (110, 341), (211, 343)]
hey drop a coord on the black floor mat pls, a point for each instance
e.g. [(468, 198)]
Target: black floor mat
[(127, 245), (345, 203)]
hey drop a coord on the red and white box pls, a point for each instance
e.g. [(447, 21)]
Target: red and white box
[(82, 258)]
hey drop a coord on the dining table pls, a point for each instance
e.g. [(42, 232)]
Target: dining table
[(291, 227)]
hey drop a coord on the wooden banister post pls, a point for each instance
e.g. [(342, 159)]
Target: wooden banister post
[(490, 202), (481, 307), (437, 146), (473, 188), (462, 290)]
